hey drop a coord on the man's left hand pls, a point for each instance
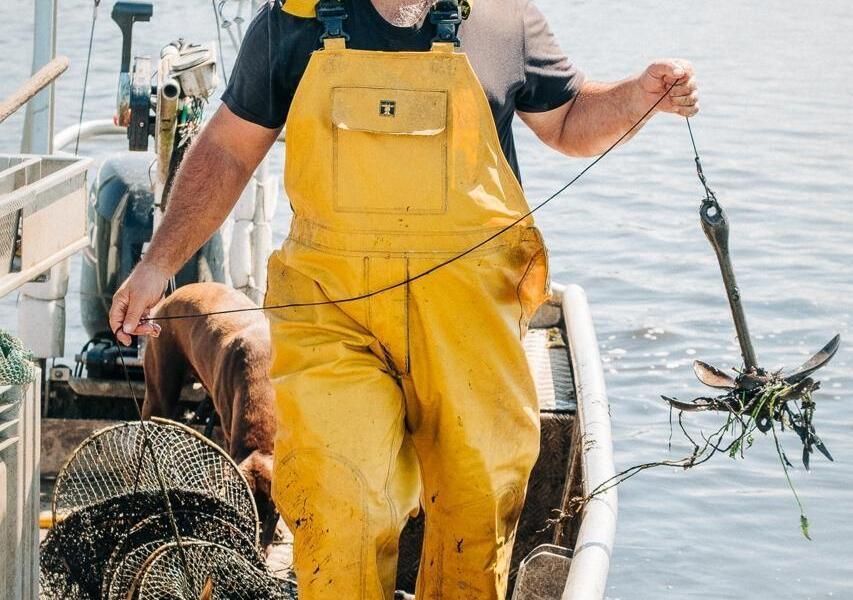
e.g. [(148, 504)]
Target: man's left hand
[(683, 98)]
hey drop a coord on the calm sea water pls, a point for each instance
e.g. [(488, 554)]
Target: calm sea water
[(776, 133)]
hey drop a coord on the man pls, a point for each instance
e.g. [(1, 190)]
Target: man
[(400, 379)]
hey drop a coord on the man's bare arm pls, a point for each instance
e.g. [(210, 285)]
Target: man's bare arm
[(602, 112), (211, 177)]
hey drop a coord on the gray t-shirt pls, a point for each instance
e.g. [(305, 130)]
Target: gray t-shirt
[(510, 46)]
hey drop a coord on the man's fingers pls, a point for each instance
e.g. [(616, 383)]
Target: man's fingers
[(135, 310), (670, 70), (684, 89), (147, 328), (687, 111), (118, 309), (676, 77), (690, 100)]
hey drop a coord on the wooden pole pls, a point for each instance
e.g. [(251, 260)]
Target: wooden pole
[(43, 78)]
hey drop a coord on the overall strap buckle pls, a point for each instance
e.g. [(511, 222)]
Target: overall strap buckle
[(446, 15), (331, 13)]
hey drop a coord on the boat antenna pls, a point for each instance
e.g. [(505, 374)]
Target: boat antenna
[(216, 15), (97, 4)]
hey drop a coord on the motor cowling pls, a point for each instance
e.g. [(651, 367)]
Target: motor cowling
[(121, 222)]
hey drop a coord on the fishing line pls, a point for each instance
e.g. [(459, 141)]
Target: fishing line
[(444, 263), (161, 483), (86, 75), (146, 440), (710, 196)]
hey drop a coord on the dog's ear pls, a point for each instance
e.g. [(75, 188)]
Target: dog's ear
[(257, 469)]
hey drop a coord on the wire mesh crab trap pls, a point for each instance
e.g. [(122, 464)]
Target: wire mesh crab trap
[(131, 553), (113, 461), (111, 514), (207, 571)]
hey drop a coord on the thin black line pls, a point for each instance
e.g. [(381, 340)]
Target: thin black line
[(692, 139), (86, 75), (440, 265), (219, 40), (146, 442)]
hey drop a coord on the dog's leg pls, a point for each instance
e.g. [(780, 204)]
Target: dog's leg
[(165, 370), (257, 469)]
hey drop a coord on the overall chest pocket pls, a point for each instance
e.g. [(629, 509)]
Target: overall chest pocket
[(390, 150)]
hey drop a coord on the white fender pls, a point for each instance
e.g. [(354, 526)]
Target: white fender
[(262, 243), (41, 326), (54, 286), (240, 255)]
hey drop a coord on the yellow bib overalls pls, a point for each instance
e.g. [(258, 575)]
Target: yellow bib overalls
[(421, 394)]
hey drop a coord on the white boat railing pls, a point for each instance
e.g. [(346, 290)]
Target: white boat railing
[(591, 558), (86, 130), (43, 198), (20, 409)]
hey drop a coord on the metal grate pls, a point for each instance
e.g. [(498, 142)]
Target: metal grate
[(19, 491), (8, 237), (548, 357), (15, 173)]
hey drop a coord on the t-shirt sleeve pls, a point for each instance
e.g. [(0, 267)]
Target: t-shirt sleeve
[(254, 92), (550, 79)]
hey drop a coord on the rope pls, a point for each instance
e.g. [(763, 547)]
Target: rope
[(86, 75), (445, 263), (143, 425), (709, 193), (173, 524)]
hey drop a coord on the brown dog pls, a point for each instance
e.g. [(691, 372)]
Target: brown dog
[(230, 356)]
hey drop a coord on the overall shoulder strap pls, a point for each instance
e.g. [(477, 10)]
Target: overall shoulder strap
[(445, 15), (331, 13), (300, 8)]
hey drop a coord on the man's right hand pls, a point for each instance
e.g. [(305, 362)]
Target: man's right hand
[(212, 175), (134, 300)]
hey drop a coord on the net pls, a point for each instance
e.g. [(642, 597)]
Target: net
[(130, 554), (111, 516), (16, 363), (113, 462), (77, 551), (216, 573)]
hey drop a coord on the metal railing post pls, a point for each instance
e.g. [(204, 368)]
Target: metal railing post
[(19, 490), (38, 123)]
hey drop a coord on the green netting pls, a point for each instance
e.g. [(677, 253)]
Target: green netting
[(16, 363)]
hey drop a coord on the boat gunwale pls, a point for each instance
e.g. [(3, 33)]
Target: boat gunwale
[(593, 547)]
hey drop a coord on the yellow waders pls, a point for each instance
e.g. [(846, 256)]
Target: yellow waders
[(420, 394)]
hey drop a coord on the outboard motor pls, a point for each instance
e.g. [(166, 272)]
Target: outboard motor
[(131, 190), (121, 221)]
